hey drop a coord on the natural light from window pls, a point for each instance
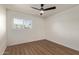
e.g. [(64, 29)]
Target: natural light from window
[(22, 23)]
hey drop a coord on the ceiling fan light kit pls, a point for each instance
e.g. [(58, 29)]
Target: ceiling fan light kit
[(41, 12), (42, 9)]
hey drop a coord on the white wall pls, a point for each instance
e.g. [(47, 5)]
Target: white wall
[(63, 28), (2, 29), (28, 35)]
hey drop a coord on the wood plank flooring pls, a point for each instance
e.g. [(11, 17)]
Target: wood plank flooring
[(41, 47)]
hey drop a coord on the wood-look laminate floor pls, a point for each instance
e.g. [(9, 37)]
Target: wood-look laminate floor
[(41, 47)]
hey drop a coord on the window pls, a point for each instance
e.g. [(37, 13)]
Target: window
[(27, 24), (22, 23)]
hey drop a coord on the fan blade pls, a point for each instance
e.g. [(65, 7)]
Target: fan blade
[(35, 8), (49, 8)]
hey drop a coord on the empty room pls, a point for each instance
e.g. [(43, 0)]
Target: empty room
[(39, 29)]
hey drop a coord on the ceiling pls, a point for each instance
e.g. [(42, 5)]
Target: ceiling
[(26, 8)]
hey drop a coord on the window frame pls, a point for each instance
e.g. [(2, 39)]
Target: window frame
[(27, 20)]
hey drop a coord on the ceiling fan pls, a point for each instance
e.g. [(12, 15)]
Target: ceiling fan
[(42, 9)]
